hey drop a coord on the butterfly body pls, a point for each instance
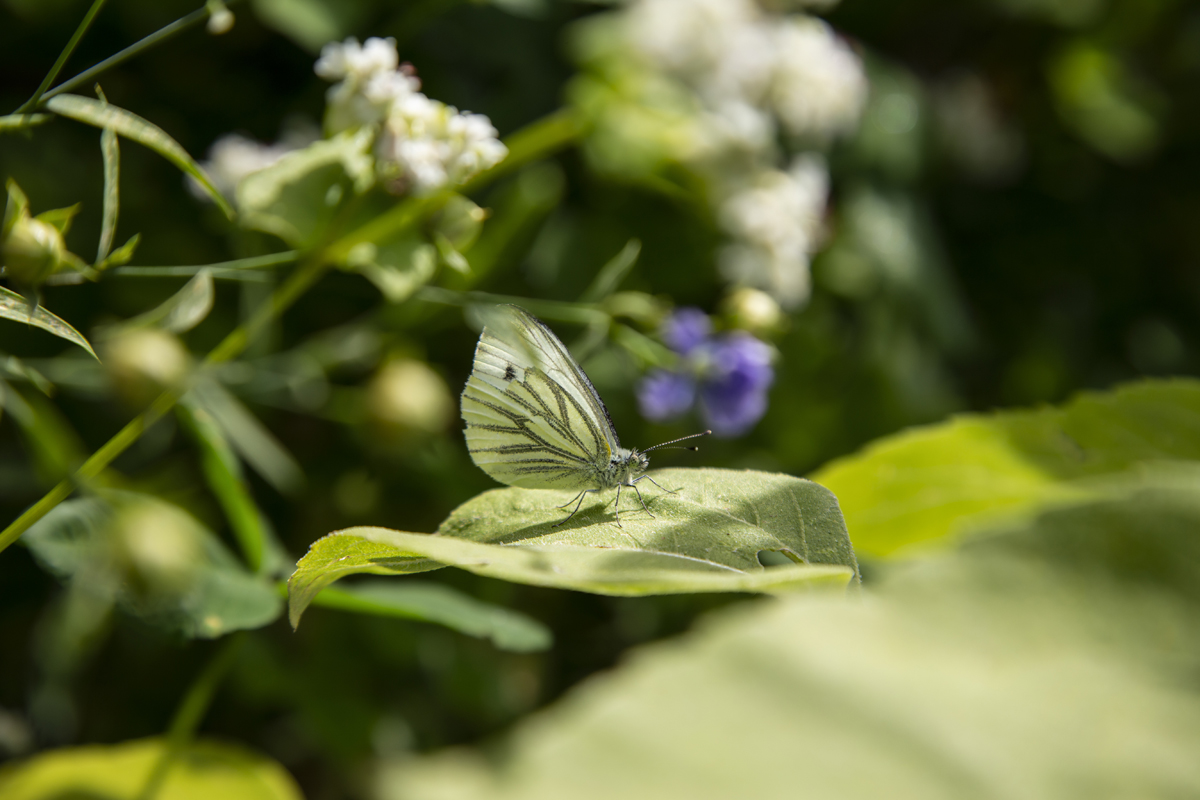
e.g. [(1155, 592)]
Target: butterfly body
[(533, 419)]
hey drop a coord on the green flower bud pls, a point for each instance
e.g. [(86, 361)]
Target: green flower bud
[(407, 397), (144, 361), (32, 250), (752, 310), (157, 547)]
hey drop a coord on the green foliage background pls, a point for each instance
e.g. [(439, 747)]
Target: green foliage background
[(1070, 266)]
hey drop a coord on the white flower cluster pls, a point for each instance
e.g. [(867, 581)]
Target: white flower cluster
[(752, 74), (778, 222), (736, 56), (423, 144)]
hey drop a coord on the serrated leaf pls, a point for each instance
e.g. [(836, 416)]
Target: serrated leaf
[(297, 197), (142, 131), (203, 769), (928, 485), (13, 306), (706, 538), (441, 605)]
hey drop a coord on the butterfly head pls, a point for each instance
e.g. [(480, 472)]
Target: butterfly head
[(627, 465)]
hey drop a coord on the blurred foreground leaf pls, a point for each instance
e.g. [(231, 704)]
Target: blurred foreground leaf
[(203, 771), (131, 126), (157, 561), (441, 605), (183, 310), (927, 484), (297, 197), (15, 307), (1047, 661), (706, 538)]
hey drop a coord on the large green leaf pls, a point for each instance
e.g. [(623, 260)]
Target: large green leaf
[(109, 117), (927, 485), (704, 538), (118, 772), (15, 307), (297, 197), (157, 561), (441, 605), (1047, 662)]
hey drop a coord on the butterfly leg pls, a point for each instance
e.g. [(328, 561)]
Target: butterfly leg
[(573, 499), (582, 495), (656, 483), (639, 494)]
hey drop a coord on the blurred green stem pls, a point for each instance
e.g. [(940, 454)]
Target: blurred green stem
[(190, 712), (163, 33), (32, 102), (233, 344), (219, 269), (535, 141)]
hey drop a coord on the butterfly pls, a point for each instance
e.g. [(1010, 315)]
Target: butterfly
[(534, 419)]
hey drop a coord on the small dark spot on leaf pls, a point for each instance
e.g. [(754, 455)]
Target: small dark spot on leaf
[(509, 372)]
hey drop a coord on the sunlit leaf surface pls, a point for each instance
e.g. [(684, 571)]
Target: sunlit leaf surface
[(925, 484), (15, 307), (203, 771), (704, 538)]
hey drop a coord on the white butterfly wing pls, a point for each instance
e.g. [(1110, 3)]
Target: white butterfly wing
[(533, 418)]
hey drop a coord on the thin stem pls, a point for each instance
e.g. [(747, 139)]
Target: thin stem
[(536, 140), (165, 32), (230, 347), (191, 711), (254, 262), (32, 102)]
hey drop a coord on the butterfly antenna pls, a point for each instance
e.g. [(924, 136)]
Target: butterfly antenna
[(680, 439)]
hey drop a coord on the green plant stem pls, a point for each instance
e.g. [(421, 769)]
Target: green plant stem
[(86, 23), (165, 32), (536, 140), (237, 265), (189, 714), (230, 347)]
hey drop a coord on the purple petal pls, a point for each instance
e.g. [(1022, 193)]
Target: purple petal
[(731, 414), (686, 329), (664, 395), (737, 373)]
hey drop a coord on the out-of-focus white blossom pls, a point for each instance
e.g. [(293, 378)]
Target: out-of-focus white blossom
[(426, 144), (778, 223), (819, 87), (370, 80), (688, 36), (232, 157), (422, 144), (352, 61)]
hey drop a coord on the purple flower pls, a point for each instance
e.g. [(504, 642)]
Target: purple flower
[(686, 329), (737, 375), (730, 373)]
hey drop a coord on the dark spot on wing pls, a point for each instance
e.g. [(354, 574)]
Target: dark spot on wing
[(509, 372)]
